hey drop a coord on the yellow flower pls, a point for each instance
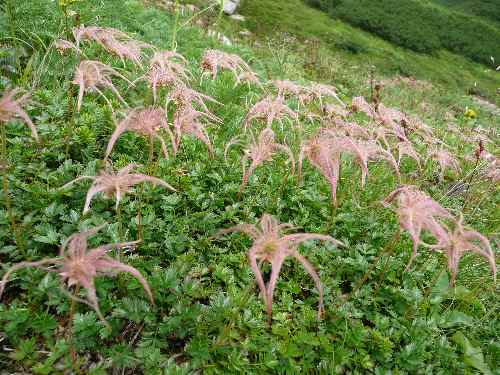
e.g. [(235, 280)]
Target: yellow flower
[(470, 113)]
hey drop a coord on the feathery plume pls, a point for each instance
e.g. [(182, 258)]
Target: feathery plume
[(186, 98), (416, 212), (268, 110), (271, 245), (406, 148), (260, 151), (114, 41), (77, 265), (319, 91), (350, 129), (166, 68), (188, 120), (289, 89), (445, 160), (324, 152), (147, 122), (214, 60), (359, 104), (90, 75), (10, 108), (115, 184), (62, 45), (454, 244), (334, 111)]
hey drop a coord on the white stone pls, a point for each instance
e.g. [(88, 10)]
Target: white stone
[(237, 17), (230, 6)]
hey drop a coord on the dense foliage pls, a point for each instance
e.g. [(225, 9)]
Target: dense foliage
[(208, 316), (420, 26), (488, 9)]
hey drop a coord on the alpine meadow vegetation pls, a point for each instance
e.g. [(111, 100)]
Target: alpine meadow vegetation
[(262, 214)]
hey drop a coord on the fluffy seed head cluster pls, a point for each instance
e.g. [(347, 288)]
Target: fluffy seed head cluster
[(259, 151), (166, 69), (417, 212), (116, 184), (147, 122), (63, 45), (12, 107), (405, 148), (271, 245), (215, 60), (325, 149), (113, 41), (78, 265), (187, 118), (454, 244), (492, 166), (445, 160), (306, 94), (268, 110), (189, 121), (93, 75)]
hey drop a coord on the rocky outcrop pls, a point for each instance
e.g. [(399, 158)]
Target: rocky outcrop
[(230, 6)]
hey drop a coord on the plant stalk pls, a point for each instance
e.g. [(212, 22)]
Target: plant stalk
[(69, 331), (7, 200)]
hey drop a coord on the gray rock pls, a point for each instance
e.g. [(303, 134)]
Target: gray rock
[(230, 6)]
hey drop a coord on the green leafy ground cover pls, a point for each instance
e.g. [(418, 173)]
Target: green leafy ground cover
[(208, 317)]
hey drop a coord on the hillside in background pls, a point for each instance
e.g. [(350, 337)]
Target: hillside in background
[(334, 38), (420, 26)]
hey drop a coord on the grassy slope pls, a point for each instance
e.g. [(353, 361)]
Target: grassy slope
[(203, 320), (456, 73)]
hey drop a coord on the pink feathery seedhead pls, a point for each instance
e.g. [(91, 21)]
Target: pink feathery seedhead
[(214, 60), (272, 246), (385, 134), (372, 151), (78, 266), (92, 75), (289, 89), (115, 184), (459, 241), (333, 111), (416, 212), (62, 45), (10, 108), (320, 91), (268, 110), (188, 120), (389, 116), (492, 171), (350, 129), (359, 104), (147, 122), (325, 149), (166, 69), (261, 150), (417, 126), (445, 160), (186, 98), (322, 154), (250, 78), (112, 40), (406, 148)]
